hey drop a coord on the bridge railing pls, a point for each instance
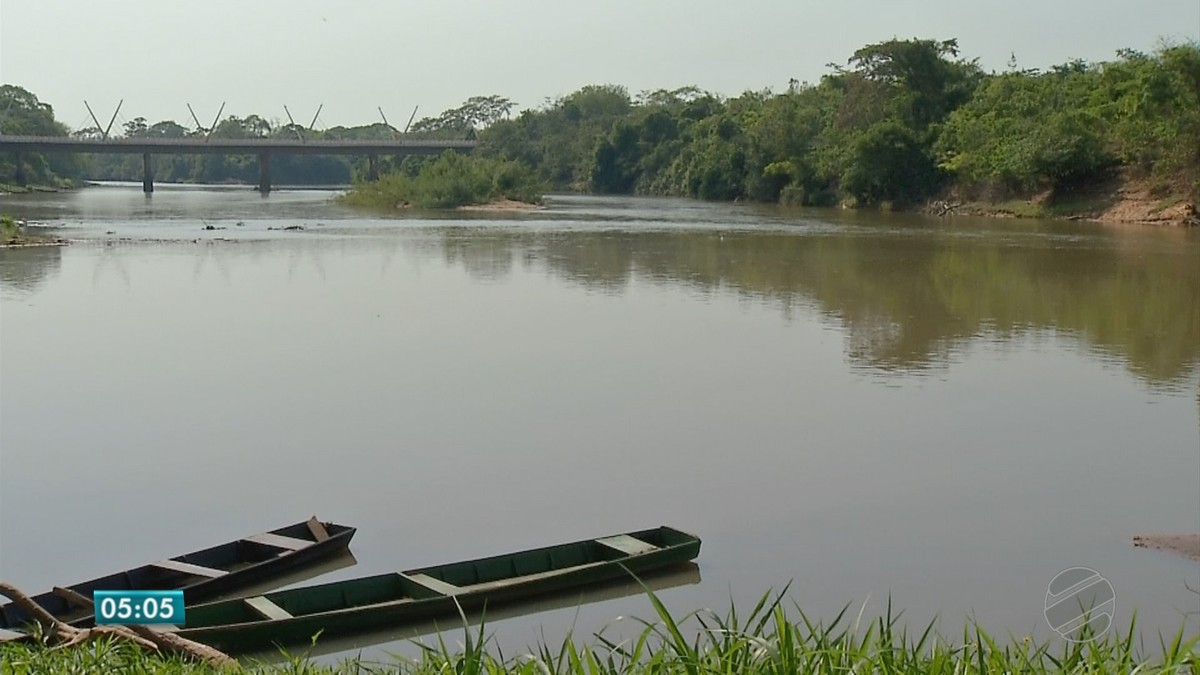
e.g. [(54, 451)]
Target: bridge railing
[(262, 143)]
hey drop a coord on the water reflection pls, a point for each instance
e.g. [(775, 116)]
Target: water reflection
[(907, 300), (907, 303), (486, 256), (23, 270), (502, 381)]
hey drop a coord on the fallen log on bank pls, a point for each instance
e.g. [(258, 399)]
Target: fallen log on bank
[(64, 635)]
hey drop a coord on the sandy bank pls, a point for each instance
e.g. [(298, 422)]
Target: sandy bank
[(1118, 199), (501, 205), (1186, 545)]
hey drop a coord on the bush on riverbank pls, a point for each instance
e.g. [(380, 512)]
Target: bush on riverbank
[(447, 182), (769, 640), (903, 122), (9, 228)]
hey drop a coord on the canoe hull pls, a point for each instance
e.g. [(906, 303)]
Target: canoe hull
[(301, 629), (252, 563)]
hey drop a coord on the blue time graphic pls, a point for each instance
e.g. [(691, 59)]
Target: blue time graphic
[(139, 607)]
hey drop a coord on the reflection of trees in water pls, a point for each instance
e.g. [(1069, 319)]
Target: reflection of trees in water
[(24, 269), (599, 260), (486, 256), (906, 302)]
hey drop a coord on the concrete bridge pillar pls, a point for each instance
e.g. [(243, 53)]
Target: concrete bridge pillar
[(147, 173), (372, 167), (264, 172), (19, 177)]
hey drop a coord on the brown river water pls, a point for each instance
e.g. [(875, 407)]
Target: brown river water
[(943, 412)]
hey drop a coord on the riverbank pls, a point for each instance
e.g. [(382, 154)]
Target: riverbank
[(1117, 199), (773, 638), (14, 189), (15, 234), (502, 204), (1186, 545)]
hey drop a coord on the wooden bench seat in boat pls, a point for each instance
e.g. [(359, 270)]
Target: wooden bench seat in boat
[(627, 544), (435, 585), (279, 541), (263, 606), (189, 568)]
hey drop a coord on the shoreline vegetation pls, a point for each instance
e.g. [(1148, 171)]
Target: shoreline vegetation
[(774, 637), (450, 181), (904, 124), (15, 234)]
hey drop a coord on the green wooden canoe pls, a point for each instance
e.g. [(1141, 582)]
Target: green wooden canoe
[(233, 567), (674, 576), (370, 603)]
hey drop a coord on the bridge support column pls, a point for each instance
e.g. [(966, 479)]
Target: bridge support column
[(372, 167), (147, 173), (19, 177), (264, 172)]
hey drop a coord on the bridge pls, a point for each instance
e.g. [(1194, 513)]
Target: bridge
[(263, 147)]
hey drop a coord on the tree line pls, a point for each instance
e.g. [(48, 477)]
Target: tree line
[(902, 121)]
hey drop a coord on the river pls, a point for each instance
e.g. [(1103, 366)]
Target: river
[(940, 412)]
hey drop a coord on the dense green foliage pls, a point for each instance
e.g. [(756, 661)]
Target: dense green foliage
[(769, 640), (448, 181), (1024, 131), (901, 122), (21, 113)]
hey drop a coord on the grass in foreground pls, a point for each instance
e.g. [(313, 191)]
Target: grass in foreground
[(769, 641)]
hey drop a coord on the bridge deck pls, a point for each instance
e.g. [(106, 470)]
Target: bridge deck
[(232, 146)]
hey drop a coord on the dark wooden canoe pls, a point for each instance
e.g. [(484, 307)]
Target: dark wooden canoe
[(202, 575), (672, 576), (296, 615)]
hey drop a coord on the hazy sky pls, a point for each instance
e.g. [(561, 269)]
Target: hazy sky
[(354, 55)]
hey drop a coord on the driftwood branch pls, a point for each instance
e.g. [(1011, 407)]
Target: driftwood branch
[(66, 635)]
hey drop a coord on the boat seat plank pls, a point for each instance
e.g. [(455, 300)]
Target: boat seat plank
[(189, 568), (436, 585), (263, 606), (318, 529), (279, 541), (627, 544), (531, 578)]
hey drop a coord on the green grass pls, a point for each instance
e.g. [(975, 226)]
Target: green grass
[(1021, 208), (13, 233), (449, 181), (771, 640), (9, 228)]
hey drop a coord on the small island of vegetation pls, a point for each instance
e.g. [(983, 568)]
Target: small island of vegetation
[(452, 180), (15, 234)]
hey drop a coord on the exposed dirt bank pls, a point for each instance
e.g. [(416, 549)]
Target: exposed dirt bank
[(1120, 199), (501, 205), (1186, 545)]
